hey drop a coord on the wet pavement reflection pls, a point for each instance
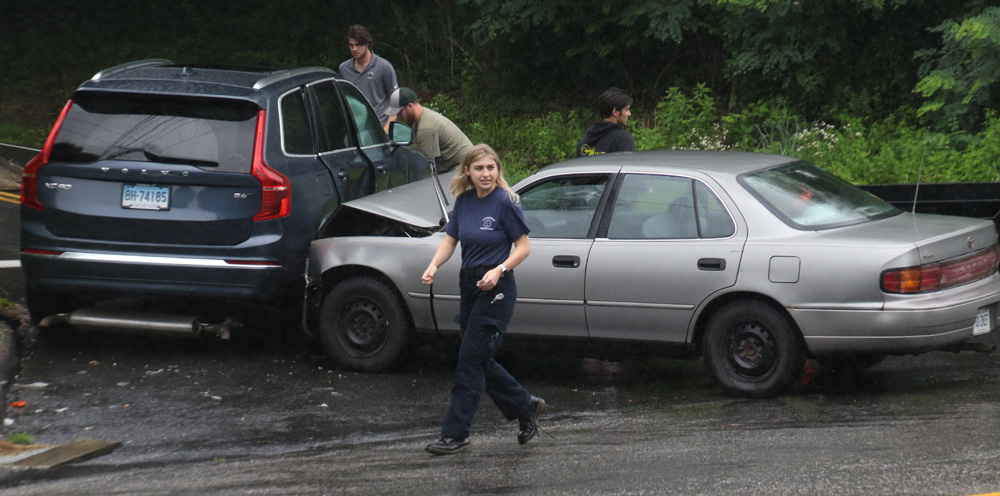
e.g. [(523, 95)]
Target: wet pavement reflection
[(265, 408)]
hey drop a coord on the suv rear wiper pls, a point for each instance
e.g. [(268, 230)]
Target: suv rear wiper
[(179, 160), (115, 152), (156, 157)]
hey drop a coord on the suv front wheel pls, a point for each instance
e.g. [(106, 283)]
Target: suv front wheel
[(364, 324)]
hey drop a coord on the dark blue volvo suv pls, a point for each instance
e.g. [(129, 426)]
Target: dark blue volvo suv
[(168, 189)]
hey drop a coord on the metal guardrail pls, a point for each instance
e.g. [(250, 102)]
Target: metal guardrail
[(19, 154), (964, 199)]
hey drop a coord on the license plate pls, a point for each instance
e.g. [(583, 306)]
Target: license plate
[(983, 321), (145, 197)]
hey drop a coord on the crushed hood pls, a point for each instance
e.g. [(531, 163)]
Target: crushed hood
[(417, 204)]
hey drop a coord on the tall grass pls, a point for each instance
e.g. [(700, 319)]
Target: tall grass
[(893, 150), (528, 136)]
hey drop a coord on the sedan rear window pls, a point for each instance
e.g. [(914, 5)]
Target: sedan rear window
[(211, 133), (809, 198)]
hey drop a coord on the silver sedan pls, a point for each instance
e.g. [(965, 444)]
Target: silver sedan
[(753, 262)]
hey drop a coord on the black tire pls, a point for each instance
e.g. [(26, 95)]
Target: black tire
[(364, 324), (752, 350), (41, 305)]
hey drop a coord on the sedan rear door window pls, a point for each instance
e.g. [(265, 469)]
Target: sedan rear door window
[(668, 207), (714, 220)]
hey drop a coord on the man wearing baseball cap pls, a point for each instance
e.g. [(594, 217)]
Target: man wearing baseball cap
[(433, 133)]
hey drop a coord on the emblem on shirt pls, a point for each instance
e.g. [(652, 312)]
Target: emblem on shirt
[(487, 224)]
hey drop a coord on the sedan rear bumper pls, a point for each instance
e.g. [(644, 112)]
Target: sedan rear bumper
[(898, 331)]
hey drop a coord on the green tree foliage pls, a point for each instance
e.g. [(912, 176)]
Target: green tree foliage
[(961, 79), (588, 45), (825, 57), (787, 76), (822, 57)]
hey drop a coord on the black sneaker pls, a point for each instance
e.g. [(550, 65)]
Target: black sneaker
[(529, 420), (447, 446)]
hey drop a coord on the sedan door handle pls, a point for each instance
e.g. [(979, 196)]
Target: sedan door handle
[(342, 174), (568, 261), (712, 264)]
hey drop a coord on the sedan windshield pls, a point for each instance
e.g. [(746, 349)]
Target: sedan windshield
[(809, 198)]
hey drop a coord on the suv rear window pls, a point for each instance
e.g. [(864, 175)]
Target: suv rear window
[(210, 133)]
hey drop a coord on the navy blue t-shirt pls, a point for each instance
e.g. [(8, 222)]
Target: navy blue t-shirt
[(486, 227)]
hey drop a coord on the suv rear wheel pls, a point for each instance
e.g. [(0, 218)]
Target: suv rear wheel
[(364, 324)]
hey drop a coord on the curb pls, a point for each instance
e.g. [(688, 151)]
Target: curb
[(8, 362)]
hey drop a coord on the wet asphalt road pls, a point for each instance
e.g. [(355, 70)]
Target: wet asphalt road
[(259, 415), (11, 278)]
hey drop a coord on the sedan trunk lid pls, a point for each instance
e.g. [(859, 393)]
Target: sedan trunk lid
[(936, 237)]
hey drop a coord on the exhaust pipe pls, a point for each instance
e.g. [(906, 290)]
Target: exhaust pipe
[(92, 319)]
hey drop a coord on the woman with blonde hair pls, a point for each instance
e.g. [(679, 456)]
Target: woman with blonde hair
[(463, 182), (487, 220)]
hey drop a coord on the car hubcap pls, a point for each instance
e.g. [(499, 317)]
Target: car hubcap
[(752, 350), (364, 327)]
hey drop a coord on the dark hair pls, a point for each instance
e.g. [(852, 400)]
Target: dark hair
[(360, 34), (612, 99)]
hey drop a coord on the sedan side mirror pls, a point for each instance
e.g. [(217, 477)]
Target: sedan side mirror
[(400, 134)]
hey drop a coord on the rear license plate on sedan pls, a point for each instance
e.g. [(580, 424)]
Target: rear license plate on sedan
[(145, 197), (983, 321)]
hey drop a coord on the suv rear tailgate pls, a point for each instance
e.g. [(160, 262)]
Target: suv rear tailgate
[(205, 208), (133, 167)]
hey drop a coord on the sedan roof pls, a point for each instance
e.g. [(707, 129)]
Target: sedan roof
[(727, 163), (417, 204)]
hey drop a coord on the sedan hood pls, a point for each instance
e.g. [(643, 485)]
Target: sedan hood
[(418, 204)]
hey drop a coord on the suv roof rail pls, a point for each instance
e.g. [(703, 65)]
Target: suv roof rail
[(269, 80), (128, 66)]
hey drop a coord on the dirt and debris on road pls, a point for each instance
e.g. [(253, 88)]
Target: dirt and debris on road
[(10, 174), (12, 160)]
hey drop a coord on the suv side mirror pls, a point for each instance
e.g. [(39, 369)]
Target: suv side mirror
[(400, 134)]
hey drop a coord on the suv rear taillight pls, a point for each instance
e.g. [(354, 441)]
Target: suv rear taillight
[(29, 177), (942, 275), (276, 191)]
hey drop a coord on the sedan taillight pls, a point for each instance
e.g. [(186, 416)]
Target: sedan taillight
[(942, 275), (29, 177)]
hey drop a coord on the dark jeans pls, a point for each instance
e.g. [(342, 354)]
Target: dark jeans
[(483, 316)]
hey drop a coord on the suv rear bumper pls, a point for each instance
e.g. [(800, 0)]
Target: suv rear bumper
[(95, 276)]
